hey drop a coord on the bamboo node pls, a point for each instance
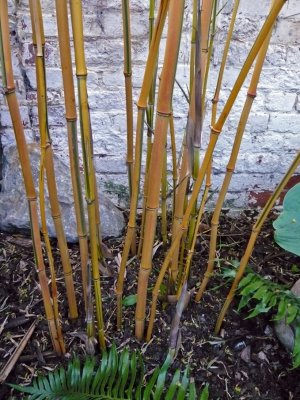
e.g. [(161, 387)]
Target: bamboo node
[(9, 90), (215, 100), (229, 169), (71, 119), (251, 94), (215, 131), (127, 74), (164, 114)]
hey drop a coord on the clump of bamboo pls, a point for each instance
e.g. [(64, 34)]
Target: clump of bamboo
[(47, 153), (142, 106), (87, 149), (232, 162), (164, 109), (215, 132), (71, 118), (255, 232), (9, 89)]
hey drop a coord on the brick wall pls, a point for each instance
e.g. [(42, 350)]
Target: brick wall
[(273, 132)]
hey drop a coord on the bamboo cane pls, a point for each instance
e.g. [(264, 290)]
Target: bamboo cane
[(193, 42), (164, 109), (149, 117), (128, 88), (164, 184), (215, 131), (174, 162), (196, 112), (87, 147), (49, 165), (39, 43), (218, 87), (9, 88), (255, 232), (231, 164), (71, 119), (142, 105)]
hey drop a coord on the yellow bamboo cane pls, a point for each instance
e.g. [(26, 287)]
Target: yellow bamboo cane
[(193, 43), (149, 117), (87, 147), (255, 232), (142, 105), (9, 89), (231, 164), (164, 109), (49, 165), (128, 87), (39, 43), (71, 118), (215, 131)]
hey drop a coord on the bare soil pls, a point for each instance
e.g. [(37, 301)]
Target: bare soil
[(263, 371)]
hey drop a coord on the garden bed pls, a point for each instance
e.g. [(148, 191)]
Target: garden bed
[(263, 370)]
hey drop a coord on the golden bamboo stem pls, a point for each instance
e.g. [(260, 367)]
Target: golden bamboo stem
[(48, 159), (255, 232), (215, 131), (149, 116), (71, 118), (174, 162), (87, 147), (128, 87), (142, 105), (9, 88), (164, 109), (181, 190), (164, 199), (232, 162), (193, 43)]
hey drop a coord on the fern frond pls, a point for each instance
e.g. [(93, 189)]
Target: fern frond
[(118, 377)]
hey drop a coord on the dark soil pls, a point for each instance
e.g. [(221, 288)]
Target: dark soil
[(266, 373)]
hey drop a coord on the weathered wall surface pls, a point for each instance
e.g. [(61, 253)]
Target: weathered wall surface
[(273, 132)]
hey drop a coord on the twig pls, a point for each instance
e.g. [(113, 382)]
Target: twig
[(16, 354)]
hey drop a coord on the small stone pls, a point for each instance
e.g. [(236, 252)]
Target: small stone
[(246, 354), (239, 345), (285, 332)]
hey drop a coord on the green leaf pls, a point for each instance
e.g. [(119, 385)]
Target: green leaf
[(109, 381), (295, 269), (259, 309), (252, 287), (173, 386), (292, 312), (296, 350), (281, 309), (287, 225), (247, 279), (243, 302), (205, 393), (130, 300)]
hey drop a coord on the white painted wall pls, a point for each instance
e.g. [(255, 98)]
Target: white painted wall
[(273, 132)]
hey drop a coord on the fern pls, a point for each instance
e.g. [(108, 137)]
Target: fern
[(271, 296), (118, 377)]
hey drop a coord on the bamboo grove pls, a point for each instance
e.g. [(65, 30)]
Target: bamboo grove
[(191, 165)]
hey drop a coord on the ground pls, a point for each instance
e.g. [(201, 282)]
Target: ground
[(262, 371)]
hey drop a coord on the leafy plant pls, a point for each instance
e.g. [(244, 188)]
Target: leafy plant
[(287, 225), (271, 296), (118, 377)]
